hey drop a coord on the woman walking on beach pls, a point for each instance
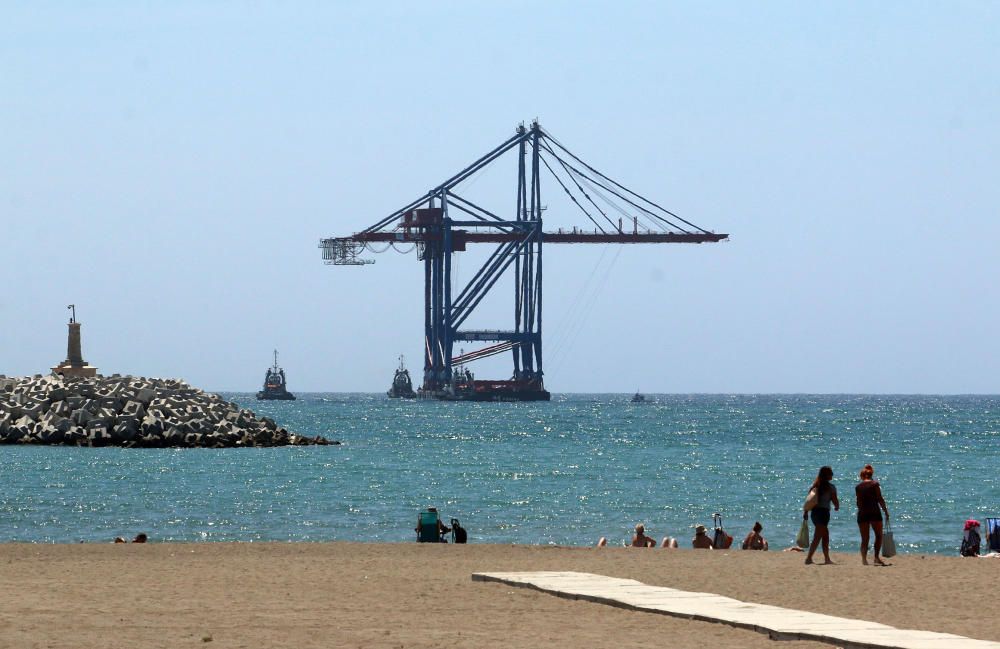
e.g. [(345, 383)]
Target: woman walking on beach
[(870, 499), (826, 493)]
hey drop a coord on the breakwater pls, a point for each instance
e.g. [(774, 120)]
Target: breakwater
[(130, 411)]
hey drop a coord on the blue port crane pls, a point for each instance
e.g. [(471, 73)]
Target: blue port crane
[(442, 223)]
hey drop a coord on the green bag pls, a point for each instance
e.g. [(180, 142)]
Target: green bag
[(802, 540)]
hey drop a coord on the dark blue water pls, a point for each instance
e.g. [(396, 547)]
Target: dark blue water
[(565, 472)]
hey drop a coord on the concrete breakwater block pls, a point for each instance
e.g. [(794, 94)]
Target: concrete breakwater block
[(132, 412)]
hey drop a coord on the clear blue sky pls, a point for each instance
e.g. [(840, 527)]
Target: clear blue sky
[(170, 168)]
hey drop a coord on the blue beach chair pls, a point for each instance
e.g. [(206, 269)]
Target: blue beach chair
[(427, 527), (993, 534)]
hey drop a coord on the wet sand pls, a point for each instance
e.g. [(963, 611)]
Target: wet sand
[(408, 595)]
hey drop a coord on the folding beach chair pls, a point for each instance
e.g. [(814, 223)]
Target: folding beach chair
[(427, 527), (993, 534)]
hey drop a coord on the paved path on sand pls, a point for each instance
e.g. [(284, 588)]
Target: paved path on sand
[(779, 623)]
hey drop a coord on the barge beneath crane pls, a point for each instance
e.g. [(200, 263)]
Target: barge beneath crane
[(465, 387), (490, 391)]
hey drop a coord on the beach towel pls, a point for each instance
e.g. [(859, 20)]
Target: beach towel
[(888, 542), (802, 540)]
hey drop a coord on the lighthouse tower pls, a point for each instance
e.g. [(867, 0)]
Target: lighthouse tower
[(74, 365)]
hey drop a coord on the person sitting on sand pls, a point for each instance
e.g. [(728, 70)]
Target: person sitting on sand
[(640, 540), (119, 539), (139, 538), (669, 542), (701, 540), (754, 540), (442, 528)]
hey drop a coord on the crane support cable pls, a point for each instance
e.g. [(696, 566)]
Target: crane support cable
[(582, 190), (633, 203), (593, 184), (619, 185), (641, 197), (656, 224), (599, 190), (571, 196)]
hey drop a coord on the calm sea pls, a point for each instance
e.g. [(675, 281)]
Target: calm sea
[(565, 472)]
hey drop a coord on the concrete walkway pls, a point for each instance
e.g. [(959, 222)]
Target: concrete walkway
[(779, 623)]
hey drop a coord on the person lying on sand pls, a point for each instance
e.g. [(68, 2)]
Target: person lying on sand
[(641, 540), (668, 542)]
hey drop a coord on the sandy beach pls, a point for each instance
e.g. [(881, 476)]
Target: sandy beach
[(409, 595)]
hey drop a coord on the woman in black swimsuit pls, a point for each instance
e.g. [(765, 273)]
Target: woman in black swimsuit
[(820, 514), (870, 499)]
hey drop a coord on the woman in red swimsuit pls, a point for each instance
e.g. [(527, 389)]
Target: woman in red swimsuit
[(870, 500)]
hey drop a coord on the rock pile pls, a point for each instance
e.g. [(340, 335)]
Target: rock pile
[(130, 411)]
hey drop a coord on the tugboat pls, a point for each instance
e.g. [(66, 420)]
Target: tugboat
[(638, 398), (274, 384), (402, 386)]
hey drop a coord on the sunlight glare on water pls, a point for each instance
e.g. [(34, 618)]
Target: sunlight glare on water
[(565, 472)]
